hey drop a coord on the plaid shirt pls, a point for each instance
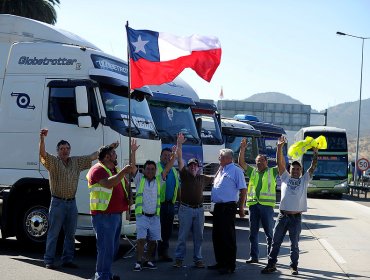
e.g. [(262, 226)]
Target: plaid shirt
[(63, 178)]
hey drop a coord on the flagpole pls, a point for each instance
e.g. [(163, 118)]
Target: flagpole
[(129, 114)]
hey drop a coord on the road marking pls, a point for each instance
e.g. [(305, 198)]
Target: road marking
[(335, 255)]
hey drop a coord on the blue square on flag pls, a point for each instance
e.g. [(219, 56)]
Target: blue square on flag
[(143, 44)]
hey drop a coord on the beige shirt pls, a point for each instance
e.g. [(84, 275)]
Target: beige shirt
[(63, 178)]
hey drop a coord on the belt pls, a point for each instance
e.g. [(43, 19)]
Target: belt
[(148, 215), (65, 199), (290, 215), (192, 206), (226, 203)]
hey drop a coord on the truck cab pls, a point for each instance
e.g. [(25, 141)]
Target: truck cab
[(51, 78)]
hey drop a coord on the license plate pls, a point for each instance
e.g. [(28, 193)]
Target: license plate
[(207, 207)]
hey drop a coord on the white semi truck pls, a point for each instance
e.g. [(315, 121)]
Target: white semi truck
[(50, 78)]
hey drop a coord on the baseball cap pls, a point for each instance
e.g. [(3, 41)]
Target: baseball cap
[(193, 160)]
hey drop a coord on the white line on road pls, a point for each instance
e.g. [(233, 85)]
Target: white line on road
[(335, 255)]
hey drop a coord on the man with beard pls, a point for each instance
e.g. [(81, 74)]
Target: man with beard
[(108, 200)]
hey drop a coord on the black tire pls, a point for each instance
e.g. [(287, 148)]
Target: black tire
[(33, 222)]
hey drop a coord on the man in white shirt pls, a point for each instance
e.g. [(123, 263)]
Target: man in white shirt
[(293, 202)]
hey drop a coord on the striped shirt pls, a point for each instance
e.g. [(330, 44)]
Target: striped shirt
[(63, 178)]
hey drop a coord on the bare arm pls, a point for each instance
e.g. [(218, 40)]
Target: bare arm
[(313, 166), (42, 149), (242, 198), (279, 155), (134, 148), (114, 180), (180, 140), (170, 163), (241, 158)]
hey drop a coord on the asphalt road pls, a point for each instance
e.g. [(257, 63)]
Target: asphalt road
[(333, 245)]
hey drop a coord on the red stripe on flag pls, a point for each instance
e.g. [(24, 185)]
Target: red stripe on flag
[(144, 72)]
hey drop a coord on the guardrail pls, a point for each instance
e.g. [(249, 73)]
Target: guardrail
[(362, 188)]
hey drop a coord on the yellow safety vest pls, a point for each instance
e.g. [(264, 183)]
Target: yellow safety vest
[(139, 197), (268, 191), (163, 187), (99, 195)]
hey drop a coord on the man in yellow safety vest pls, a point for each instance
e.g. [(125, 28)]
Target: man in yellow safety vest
[(108, 200), (261, 199), (148, 207)]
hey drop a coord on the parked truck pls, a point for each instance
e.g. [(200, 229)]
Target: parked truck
[(50, 78)]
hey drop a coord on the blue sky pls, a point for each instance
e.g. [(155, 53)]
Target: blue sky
[(287, 46)]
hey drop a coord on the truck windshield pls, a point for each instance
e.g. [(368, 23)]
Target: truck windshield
[(116, 108), (330, 167), (210, 133), (170, 119), (233, 142)]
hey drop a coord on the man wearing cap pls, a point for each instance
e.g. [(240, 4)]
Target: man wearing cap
[(191, 212), (293, 202), (109, 198)]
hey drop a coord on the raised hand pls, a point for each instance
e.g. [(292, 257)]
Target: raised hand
[(181, 138), (243, 143), (134, 146), (44, 132), (114, 145), (281, 140)]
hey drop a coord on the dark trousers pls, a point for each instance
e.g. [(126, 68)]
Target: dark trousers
[(223, 234), (167, 215)]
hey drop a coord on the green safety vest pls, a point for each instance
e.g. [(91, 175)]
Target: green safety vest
[(268, 191), (99, 195), (163, 187), (139, 197)]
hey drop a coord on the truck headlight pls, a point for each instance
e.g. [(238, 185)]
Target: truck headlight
[(341, 185)]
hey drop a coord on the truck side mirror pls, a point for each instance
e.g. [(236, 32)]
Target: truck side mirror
[(199, 125), (84, 121), (82, 103)]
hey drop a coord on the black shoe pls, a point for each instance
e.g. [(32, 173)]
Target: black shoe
[(226, 270), (69, 265), (115, 277), (165, 259), (270, 268), (251, 260), (214, 267), (294, 270), (50, 266)]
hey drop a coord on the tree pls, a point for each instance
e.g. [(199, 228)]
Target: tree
[(42, 10)]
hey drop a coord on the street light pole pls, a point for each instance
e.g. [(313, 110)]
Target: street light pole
[(359, 104)]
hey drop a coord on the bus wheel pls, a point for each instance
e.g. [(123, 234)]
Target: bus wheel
[(33, 223)]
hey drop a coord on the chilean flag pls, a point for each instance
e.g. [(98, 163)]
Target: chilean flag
[(157, 58)]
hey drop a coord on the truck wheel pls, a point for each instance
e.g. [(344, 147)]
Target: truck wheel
[(33, 223)]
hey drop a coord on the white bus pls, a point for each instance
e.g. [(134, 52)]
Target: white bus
[(331, 173)]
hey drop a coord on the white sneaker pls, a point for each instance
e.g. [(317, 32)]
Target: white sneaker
[(137, 267)]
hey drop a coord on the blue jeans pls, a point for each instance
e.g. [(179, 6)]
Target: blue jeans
[(167, 215), (107, 229), (284, 223), (190, 219), (62, 214), (264, 214)]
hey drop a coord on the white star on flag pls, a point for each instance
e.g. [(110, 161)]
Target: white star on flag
[(140, 45)]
